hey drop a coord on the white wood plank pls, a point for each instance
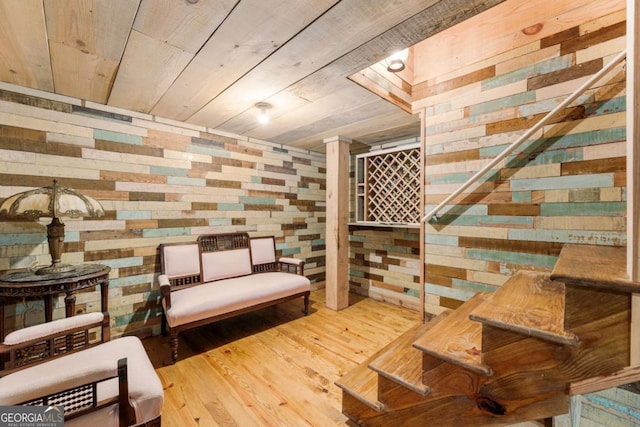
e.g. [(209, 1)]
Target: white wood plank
[(254, 30), (328, 37), (24, 57), (87, 39), (149, 66)]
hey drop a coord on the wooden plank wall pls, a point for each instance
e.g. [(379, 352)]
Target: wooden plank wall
[(159, 181), (482, 84), (384, 264)]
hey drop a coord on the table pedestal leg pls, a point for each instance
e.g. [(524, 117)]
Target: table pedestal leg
[(48, 308), (70, 304)]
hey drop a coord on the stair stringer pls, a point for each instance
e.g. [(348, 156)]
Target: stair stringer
[(530, 377)]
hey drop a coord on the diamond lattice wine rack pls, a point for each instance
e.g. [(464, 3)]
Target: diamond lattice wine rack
[(388, 187)]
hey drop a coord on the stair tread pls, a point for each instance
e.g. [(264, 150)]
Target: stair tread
[(603, 267), (457, 340), (529, 303), (362, 383), (402, 362)]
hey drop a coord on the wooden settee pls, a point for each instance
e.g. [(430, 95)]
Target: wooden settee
[(224, 275), (98, 381)]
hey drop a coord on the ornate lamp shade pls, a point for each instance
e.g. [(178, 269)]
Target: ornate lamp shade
[(51, 202)]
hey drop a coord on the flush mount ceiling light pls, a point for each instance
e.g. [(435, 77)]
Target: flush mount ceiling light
[(396, 62), (263, 107)]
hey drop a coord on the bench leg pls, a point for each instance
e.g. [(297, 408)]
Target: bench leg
[(173, 340), (306, 305), (163, 325)]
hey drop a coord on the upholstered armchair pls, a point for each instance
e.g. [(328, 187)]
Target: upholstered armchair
[(64, 363)]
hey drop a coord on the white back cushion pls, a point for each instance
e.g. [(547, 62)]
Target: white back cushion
[(223, 264), (263, 250), (181, 260)]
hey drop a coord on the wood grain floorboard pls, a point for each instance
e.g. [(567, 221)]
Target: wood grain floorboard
[(273, 367)]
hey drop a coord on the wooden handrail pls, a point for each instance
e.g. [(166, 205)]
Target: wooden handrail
[(524, 137)]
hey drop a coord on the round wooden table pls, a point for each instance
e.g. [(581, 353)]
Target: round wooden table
[(26, 284)]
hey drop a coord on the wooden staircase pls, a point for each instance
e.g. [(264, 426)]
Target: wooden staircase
[(512, 356)]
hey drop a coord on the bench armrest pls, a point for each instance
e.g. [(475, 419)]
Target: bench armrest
[(36, 344), (292, 265), (165, 289)]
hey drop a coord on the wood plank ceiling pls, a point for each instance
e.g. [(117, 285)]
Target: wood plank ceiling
[(208, 62)]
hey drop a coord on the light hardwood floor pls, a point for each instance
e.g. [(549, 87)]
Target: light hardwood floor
[(273, 367)]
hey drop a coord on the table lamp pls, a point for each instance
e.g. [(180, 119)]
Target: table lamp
[(51, 202)]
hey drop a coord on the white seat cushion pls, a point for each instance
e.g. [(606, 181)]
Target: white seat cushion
[(215, 298), (145, 390)]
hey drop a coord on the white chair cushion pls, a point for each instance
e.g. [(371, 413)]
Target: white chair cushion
[(262, 250), (215, 298), (224, 264), (145, 389), (181, 260)]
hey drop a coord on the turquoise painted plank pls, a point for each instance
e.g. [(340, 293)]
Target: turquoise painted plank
[(519, 258), (441, 240), (563, 182), (125, 138), (357, 238), (356, 273), (547, 105), (584, 209), (521, 196), (169, 171), (71, 236), (606, 238), (192, 182), (633, 413), (470, 286), (123, 262), (553, 64), (230, 207), (412, 292), (450, 178), (23, 238), (166, 232), (532, 154), (443, 291), (124, 215), (575, 140), (506, 220), (502, 103), (290, 251), (608, 106), (317, 242), (257, 200)]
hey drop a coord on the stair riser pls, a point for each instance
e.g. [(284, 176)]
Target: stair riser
[(585, 305)]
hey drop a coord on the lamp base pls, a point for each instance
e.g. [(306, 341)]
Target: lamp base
[(55, 268)]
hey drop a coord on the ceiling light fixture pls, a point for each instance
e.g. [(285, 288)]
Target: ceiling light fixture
[(263, 117), (396, 62)]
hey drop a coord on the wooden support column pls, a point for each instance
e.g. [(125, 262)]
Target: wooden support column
[(337, 232), (633, 170)]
